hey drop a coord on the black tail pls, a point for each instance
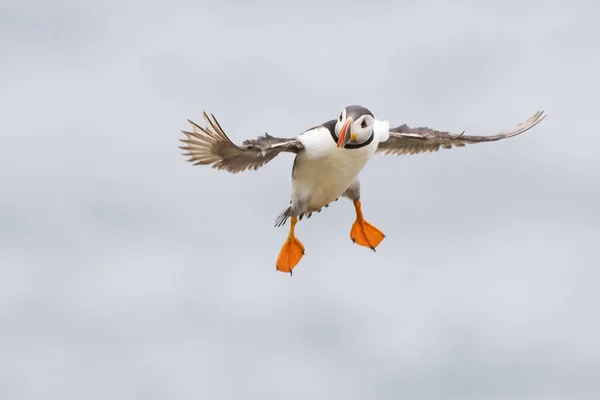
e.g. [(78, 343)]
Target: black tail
[(287, 213), (283, 217)]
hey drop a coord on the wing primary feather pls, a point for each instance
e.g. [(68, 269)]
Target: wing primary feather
[(406, 140), (211, 145)]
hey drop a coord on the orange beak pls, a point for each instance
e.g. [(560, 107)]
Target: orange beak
[(345, 133)]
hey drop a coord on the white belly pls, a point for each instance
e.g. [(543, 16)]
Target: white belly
[(324, 179)]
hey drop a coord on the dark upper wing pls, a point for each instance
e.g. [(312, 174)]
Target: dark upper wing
[(406, 140), (210, 145)]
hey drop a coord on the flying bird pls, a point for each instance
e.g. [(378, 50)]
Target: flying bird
[(329, 158)]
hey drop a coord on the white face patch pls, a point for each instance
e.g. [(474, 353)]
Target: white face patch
[(340, 121), (363, 129)]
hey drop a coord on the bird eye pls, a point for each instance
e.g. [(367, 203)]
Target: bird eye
[(363, 124), (341, 115)]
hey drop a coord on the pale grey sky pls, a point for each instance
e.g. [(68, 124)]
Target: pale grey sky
[(126, 273)]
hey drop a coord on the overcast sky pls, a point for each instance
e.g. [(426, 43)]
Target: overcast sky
[(128, 273)]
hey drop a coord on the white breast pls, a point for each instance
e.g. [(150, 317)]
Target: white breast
[(323, 172)]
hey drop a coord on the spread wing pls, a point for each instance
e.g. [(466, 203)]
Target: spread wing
[(406, 140), (210, 145)]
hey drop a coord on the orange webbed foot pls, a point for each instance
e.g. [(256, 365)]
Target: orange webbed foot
[(290, 255), (291, 252), (363, 233)]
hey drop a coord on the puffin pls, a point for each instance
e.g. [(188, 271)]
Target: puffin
[(328, 160)]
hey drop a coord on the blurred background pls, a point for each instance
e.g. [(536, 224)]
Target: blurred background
[(128, 273)]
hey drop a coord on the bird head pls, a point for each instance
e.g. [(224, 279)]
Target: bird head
[(354, 125)]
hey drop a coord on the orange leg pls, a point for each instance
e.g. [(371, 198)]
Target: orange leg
[(363, 233), (291, 251)]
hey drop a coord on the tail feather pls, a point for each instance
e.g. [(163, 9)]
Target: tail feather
[(283, 217), (286, 214)]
